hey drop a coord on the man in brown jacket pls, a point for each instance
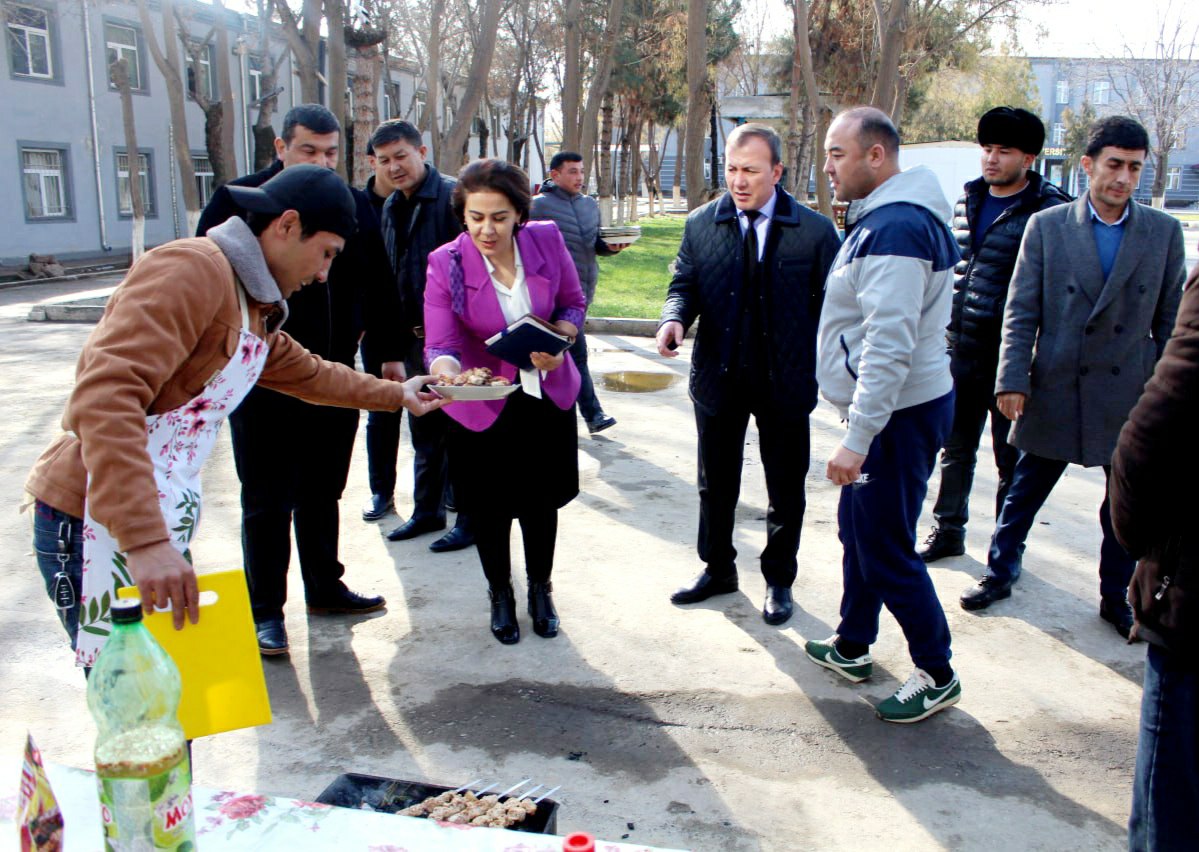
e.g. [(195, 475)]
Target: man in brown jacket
[(192, 328), (1153, 508)]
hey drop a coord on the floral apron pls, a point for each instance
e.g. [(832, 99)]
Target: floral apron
[(178, 442)]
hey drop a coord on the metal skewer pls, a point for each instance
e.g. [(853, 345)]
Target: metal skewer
[(546, 795), (468, 785), (529, 792), (514, 787)]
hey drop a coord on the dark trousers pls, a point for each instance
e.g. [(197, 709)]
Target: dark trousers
[(589, 406), (58, 547), (293, 459), (538, 530), (1165, 789), (973, 402), (382, 435), (877, 516), (1032, 482), (784, 446)]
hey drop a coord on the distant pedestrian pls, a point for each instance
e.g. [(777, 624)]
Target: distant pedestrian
[(563, 202), (988, 222), (1091, 306), (1154, 506), (883, 365)]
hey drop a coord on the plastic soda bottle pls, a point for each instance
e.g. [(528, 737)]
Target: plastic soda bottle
[(142, 762)]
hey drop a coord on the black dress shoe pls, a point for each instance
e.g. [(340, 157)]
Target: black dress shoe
[(941, 543), (345, 602), (985, 592), (704, 587), (456, 539), (1116, 612), (379, 505), (541, 610), (503, 616), (599, 424), (778, 606), (413, 527), (272, 637)]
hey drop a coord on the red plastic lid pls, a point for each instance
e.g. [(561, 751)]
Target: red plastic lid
[(580, 841)]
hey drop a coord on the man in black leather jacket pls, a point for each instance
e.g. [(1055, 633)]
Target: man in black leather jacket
[(751, 268), (989, 223)]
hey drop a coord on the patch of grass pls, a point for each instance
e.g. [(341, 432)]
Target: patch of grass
[(634, 282)]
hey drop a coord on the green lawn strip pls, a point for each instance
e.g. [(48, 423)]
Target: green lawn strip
[(633, 283)]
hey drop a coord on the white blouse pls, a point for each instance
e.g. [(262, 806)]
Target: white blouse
[(515, 302)]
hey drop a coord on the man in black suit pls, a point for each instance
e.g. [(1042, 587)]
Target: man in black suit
[(751, 267), (292, 457)]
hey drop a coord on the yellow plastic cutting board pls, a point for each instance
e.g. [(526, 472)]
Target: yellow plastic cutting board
[(223, 684)]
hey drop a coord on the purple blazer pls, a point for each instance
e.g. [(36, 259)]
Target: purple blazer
[(459, 319)]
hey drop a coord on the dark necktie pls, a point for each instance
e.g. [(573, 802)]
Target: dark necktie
[(751, 243)]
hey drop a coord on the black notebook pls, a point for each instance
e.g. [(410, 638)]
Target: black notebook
[(527, 335)]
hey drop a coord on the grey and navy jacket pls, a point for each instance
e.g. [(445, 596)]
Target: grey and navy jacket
[(881, 342), (578, 218)]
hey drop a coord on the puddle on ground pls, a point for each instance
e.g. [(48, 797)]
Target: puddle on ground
[(638, 381)]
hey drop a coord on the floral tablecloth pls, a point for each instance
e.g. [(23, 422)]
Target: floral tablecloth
[(241, 821)]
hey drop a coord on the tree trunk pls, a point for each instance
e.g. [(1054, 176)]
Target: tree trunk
[(714, 139), (680, 155), (367, 71), (892, 28), (697, 99), (264, 133), (335, 17), (224, 168), (572, 85), (599, 83), (635, 168), (476, 78), (794, 136), (303, 37), (605, 162), (166, 57), (433, 81), (1160, 173), (803, 158), (824, 199), (118, 72), (813, 141)]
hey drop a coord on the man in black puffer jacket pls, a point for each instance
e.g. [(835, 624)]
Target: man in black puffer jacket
[(988, 222)]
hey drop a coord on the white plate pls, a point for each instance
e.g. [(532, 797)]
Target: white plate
[(621, 240), (473, 392)]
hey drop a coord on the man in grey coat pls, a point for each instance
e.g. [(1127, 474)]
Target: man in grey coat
[(1091, 305), (577, 216)]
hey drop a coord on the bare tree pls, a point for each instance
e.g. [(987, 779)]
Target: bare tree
[(218, 115), (304, 38), (599, 82), (804, 144), (697, 100), (269, 90), (166, 57), (476, 79), (118, 72), (1162, 92), (366, 67), (572, 85), (337, 78)]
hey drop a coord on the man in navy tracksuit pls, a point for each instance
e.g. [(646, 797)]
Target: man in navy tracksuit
[(882, 363)]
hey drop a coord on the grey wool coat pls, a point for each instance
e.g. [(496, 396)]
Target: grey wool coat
[(1080, 348)]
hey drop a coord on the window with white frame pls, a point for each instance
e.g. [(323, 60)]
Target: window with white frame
[(418, 107), (1059, 135), (1101, 93), (207, 82), (254, 83), (202, 166), (1180, 139), (125, 202), (29, 48), (391, 100), (121, 43), (1063, 91), (1173, 178), (45, 183)]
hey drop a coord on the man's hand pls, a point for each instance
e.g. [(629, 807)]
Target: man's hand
[(394, 371), (845, 467), (164, 577), (670, 332), (1011, 404), (545, 361), (421, 402)]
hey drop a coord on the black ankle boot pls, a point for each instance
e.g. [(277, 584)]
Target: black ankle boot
[(503, 615), (541, 610)]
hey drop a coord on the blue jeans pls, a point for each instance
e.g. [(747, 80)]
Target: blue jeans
[(1032, 482), (1165, 792), (58, 547), (877, 519)]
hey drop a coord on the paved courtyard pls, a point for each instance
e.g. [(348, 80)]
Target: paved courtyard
[(697, 728)]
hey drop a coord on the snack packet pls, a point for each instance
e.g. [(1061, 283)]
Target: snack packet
[(37, 810)]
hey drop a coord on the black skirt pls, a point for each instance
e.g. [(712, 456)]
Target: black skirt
[(527, 459)]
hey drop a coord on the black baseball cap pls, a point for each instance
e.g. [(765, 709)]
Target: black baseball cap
[(1012, 127), (319, 195)]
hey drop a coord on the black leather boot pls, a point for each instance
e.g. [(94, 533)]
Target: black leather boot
[(541, 610), (503, 615)]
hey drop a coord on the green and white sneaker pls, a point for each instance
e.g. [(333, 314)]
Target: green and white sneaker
[(919, 698), (825, 654)]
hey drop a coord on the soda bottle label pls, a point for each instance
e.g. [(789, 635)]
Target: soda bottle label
[(150, 813)]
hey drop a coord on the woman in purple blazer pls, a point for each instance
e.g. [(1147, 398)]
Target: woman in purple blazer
[(514, 458)]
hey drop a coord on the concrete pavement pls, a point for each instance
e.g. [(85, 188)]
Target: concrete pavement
[(696, 727)]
